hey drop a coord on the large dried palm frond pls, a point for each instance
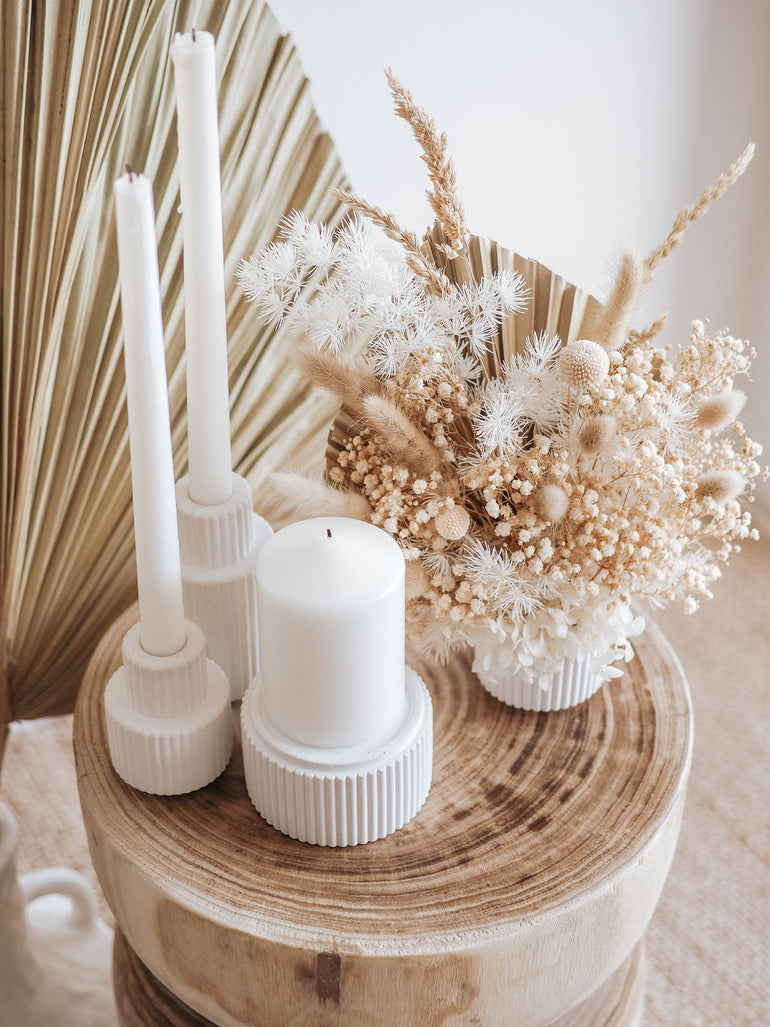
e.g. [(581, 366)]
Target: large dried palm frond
[(88, 87)]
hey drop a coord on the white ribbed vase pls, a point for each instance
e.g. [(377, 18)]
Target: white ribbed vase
[(575, 681)]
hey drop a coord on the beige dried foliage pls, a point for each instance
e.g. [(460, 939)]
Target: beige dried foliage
[(687, 215), (646, 335), (444, 199), (87, 87)]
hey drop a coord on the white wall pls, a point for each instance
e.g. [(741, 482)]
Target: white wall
[(578, 129)]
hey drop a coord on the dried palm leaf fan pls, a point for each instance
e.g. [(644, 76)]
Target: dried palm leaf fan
[(87, 87)]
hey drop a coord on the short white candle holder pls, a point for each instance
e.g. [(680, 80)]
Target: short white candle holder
[(340, 796), (168, 717), (218, 547)]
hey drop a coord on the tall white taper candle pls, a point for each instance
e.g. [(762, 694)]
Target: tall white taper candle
[(208, 398), (161, 615)]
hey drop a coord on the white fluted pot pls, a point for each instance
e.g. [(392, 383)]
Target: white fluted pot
[(575, 681)]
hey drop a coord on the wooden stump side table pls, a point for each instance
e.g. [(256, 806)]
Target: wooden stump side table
[(518, 896)]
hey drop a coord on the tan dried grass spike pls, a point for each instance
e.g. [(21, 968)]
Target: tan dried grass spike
[(435, 152)]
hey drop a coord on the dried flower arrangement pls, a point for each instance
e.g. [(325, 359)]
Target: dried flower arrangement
[(535, 489)]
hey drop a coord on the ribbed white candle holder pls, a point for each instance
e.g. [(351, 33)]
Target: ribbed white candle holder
[(339, 796), (574, 682), (218, 547), (168, 717)]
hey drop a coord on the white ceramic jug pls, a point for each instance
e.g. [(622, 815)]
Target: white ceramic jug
[(55, 952)]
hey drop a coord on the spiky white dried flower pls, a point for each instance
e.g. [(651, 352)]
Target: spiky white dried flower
[(501, 422)]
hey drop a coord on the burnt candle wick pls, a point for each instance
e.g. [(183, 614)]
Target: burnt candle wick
[(328, 532)]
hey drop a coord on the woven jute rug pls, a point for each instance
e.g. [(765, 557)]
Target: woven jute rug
[(709, 941)]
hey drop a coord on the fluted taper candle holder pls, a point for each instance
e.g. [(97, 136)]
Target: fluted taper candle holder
[(168, 717), (218, 547)]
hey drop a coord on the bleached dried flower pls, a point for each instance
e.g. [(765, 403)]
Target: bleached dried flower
[(721, 409), (584, 365), (721, 486), (501, 422)]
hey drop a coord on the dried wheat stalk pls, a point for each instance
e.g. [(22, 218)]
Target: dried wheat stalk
[(444, 198), (686, 216)]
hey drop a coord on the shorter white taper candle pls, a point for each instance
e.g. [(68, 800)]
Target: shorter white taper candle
[(208, 396), (161, 615)]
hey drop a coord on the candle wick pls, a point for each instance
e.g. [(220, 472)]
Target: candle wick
[(130, 172), (328, 532), (193, 35)]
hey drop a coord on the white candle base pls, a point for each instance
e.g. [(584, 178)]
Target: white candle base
[(340, 796), (219, 546), (168, 717)]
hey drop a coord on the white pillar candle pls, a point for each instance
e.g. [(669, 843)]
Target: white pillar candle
[(330, 601), (161, 615), (208, 398)]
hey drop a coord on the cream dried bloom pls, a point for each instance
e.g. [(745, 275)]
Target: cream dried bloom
[(584, 365)]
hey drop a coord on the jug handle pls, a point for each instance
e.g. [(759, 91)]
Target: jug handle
[(63, 881)]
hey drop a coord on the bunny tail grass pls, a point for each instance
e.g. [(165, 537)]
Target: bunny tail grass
[(613, 321), (402, 438), (350, 381), (296, 496)]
